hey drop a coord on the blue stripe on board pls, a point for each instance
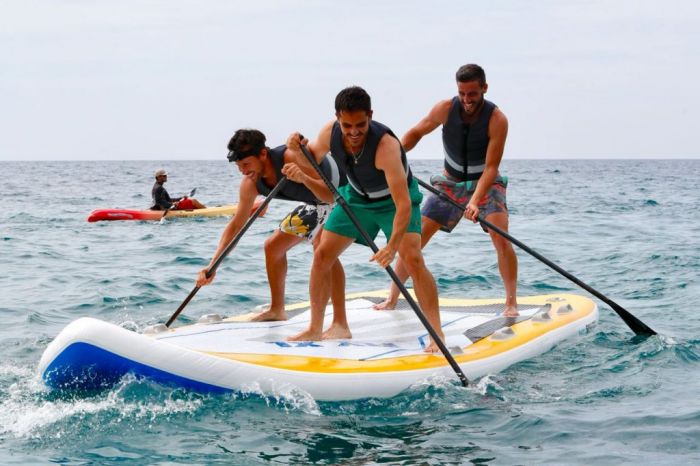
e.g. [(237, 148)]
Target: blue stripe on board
[(88, 367)]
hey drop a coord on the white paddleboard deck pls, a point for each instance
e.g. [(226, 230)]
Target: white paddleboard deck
[(385, 356)]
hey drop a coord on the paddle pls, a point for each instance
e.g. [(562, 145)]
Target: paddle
[(637, 326), (414, 305), (229, 247), (194, 190)]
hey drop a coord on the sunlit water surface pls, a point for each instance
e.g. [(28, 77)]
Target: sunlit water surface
[(628, 228)]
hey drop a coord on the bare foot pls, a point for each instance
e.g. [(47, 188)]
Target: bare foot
[(269, 315), (306, 335), (337, 332), (432, 348), (511, 311), (386, 305)]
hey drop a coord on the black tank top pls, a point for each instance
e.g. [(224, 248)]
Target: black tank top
[(465, 145), (362, 174), (292, 191)]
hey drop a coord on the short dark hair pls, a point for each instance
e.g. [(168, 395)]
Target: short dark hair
[(244, 143), (351, 99), (471, 72)]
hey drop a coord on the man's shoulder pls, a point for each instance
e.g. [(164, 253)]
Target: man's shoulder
[(441, 110), (247, 184), (387, 149), (498, 117)]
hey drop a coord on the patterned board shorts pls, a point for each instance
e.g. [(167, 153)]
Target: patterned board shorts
[(306, 220), (448, 215)]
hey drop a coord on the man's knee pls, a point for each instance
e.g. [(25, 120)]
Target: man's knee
[(323, 257), (413, 261), (273, 247)]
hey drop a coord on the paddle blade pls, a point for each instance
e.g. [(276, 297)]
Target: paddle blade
[(637, 326)]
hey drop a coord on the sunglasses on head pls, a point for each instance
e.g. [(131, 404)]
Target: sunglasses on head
[(236, 155)]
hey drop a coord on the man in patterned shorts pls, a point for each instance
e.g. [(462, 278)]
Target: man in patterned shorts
[(474, 134), (262, 168)]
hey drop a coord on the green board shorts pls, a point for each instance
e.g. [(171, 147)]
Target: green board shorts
[(373, 216)]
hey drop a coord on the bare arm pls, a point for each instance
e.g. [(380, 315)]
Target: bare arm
[(246, 199), (436, 117), (318, 147), (306, 175), (498, 131), (388, 160)]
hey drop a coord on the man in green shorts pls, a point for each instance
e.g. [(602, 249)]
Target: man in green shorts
[(381, 193), (474, 134)]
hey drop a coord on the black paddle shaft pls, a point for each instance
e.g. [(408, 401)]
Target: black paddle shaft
[(637, 326), (229, 247), (414, 305)]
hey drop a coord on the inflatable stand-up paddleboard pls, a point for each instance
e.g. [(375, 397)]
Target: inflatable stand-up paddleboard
[(155, 215), (384, 357)]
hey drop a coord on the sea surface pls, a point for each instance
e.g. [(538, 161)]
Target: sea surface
[(628, 228)]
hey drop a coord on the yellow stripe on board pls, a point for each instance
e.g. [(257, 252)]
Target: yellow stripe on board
[(525, 332), (217, 211)]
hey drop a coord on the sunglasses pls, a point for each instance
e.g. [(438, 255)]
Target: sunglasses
[(235, 155)]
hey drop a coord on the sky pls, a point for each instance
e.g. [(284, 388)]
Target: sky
[(173, 79)]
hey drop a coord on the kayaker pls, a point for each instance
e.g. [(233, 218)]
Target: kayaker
[(262, 168), (474, 134), (163, 201), (383, 195)]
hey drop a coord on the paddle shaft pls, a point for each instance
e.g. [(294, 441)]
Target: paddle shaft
[(414, 305), (636, 325), (229, 247)]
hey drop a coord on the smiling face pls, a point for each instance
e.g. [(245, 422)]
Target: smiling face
[(354, 126), (471, 96), (252, 166)]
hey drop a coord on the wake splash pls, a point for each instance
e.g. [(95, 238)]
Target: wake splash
[(30, 411)]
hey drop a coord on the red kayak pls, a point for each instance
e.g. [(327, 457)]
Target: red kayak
[(155, 215)]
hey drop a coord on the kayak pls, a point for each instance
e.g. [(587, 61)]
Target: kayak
[(155, 215), (386, 354)]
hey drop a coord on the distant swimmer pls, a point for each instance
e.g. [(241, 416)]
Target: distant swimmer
[(163, 201), (474, 134), (262, 168), (383, 196)]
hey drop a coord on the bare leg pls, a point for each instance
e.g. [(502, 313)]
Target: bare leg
[(196, 204), (507, 262), (339, 326), (428, 229), (276, 247), (325, 256), (423, 284)]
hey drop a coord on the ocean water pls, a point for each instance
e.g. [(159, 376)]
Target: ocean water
[(628, 228)]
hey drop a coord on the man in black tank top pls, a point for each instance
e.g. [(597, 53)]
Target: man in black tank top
[(161, 200), (263, 168), (474, 137), (382, 195)]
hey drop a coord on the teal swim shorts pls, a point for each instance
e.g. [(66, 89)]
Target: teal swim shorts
[(373, 216)]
